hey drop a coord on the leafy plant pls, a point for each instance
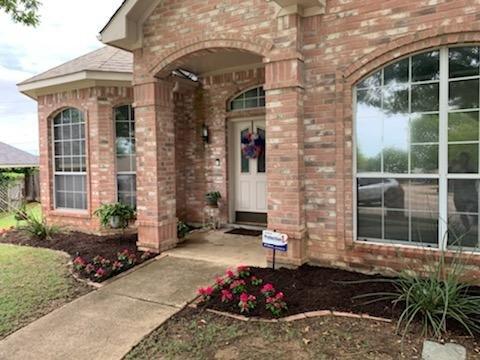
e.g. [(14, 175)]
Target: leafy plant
[(21, 213), (124, 213), (213, 197), (276, 304), (38, 228), (442, 297), (182, 229)]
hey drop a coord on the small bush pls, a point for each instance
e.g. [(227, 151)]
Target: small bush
[(440, 298), (38, 228), (124, 213)]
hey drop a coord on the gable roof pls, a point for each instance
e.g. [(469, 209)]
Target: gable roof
[(11, 157), (107, 63), (107, 59)]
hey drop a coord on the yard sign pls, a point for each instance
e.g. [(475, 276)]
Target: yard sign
[(275, 241)]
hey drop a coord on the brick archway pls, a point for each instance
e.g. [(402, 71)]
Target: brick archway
[(182, 49), (423, 40)]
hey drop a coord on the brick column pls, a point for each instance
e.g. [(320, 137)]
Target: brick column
[(285, 132), (155, 134)]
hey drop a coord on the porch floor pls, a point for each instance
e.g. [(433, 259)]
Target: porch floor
[(218, 247)]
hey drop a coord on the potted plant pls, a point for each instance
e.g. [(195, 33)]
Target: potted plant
[(212, 198), (116, 215)]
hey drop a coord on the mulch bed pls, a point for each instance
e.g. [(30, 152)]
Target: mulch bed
[(87, 246), (311, 288)]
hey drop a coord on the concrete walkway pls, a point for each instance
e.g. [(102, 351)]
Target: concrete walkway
[(107, 323)]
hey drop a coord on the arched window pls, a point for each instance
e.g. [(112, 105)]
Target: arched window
[(70, 178), (254, 98), (126, 155), (417, 150)]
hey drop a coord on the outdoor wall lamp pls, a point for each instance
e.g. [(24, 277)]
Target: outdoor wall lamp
[(205, 134)]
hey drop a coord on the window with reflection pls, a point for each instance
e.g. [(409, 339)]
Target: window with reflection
[(70, 173), (126, 155), (417, 141), (254, 98)]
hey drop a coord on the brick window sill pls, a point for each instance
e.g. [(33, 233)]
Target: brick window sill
[(79, 214)]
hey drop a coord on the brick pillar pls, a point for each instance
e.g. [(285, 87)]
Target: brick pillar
[(155, 134), (285, 132)]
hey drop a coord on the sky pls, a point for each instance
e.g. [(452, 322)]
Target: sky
[(68, 29)]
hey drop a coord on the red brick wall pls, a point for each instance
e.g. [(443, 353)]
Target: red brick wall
[(97, 105)]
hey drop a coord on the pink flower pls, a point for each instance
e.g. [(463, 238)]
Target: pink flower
[(226, 296), (238, 286), (243, 271), (220, 282), (267, 290), (247, 302), (206, 292), (117, 265), (100, 273), (230, 274), (89, 268), (244, 297), (79, 263)]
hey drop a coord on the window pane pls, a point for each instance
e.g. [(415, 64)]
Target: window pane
[(463, 158), (395, 99), (395, 144), (463, 212), (396, 225), (369, 223), (424, 128), (423, 195), (127, 189), (122, 113), (426, 66), (464, 94), (424, 159), (394, 193), (463, 61), (253, 98), (251, 103), (424, 227), (125, 163), (237, 104), (396, 73), (370, 192), (425, 97), (125, 146), (123, 129), (463, 126), (374, 80), (251, 93), (75, 116), (369, 131), (66, 132)]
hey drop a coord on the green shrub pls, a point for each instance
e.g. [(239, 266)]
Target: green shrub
[(38, 228), (440, 298), (182, 229), (21, 213), (106, 212)]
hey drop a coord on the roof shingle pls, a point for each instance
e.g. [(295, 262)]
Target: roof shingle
[(12, 157)]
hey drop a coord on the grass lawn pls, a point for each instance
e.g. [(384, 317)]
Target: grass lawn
[(8, 220), (32, 283), (193, 334)]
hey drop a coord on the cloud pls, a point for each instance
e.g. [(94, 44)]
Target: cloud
[(68, 29)]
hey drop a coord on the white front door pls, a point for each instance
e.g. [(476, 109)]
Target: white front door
[(250, 178)]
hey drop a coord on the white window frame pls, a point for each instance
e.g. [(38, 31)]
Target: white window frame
[(258, 98), (443, 176), (119, 173), (69, 173)]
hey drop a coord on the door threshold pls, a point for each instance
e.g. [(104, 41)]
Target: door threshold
[(248, 226)]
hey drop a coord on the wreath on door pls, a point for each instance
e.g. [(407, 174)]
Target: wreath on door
[(253, 145)]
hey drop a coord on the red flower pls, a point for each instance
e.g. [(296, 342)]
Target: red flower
[(79, 263), (100, 273), (226, 296), (238, 286), (230, 274), (205, 292), (244, 297), (243, 271), (247, 302), (117, 265), (220, 282), (268, 290)]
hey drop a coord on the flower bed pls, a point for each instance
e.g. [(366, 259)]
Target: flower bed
[(96, 258), (270, 294)]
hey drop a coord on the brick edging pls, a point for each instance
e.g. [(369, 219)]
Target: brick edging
[(296, 317)]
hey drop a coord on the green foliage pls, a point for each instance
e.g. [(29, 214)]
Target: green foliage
[(38, 228), (22, 11), (124, 212), (182, 229), (445, 295), (213, 197)]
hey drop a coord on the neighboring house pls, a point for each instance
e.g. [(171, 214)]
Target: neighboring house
[(364, 117), (13, 158)]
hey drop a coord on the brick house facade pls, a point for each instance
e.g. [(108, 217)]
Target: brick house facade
[(307, 55)]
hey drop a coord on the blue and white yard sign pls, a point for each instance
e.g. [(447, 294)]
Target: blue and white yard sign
[(274, 240)]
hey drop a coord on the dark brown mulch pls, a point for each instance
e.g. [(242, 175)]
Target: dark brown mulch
[(311, 288), (87, 246)]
